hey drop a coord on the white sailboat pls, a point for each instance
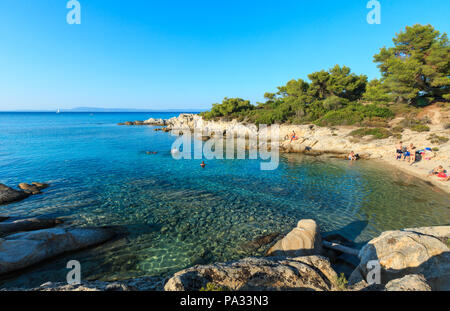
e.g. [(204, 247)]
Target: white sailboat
[(58, 111)]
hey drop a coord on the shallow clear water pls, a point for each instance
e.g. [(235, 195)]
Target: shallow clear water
[(177, 214)]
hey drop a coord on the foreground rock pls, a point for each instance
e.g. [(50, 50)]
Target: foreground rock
[(301, 273), (303, 240), (9, 195), (412, 282), (21, 250), (138, 284), (423, 251), (27, 225)]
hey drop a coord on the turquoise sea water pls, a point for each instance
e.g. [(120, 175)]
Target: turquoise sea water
[(177, 214)]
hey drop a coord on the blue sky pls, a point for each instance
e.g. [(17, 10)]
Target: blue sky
[(186, 54)]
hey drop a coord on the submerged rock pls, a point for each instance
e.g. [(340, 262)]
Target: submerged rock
[(32, 189), (260, 241), (27, 225), (150, 283), (303, 240), (40, 185), (301, 273), (21, 250), (9, 195), (422, 251)]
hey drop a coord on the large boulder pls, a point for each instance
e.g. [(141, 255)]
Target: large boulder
[(20, 250), (152, 121), (422, 251), (411, 282), (301, 273), (303, 240), (8, 195), (27, 225)]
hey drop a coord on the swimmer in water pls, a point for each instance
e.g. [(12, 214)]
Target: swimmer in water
[(203, 164)]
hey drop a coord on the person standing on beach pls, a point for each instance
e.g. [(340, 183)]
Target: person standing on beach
[(412, 153), (399, 151), (293, 136)]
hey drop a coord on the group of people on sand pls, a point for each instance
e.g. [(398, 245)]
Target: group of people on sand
[(412, 154), (409, 152)]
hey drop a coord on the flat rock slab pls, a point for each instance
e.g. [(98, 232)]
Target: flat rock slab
[(21, 250), (9, 195), (27, 225), (301, 273)]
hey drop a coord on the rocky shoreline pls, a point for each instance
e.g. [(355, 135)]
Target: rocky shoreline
[(416, 259), (409, 259), (335, 141)]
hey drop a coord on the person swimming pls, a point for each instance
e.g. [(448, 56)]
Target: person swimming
[(203, 164)]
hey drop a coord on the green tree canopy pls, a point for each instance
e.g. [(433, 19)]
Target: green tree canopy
[(338, 81), (417, 66), (229, 107)]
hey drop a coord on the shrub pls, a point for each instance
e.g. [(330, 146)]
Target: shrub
[(356, 114), (398, 136), (420, 128), (435, 139), (211, 287), (378, 133), (398, 129), (342, 282)]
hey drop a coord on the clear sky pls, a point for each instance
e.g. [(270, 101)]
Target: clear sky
[(186, 54)]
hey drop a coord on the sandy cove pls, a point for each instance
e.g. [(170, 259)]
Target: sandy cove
[(334, 140)]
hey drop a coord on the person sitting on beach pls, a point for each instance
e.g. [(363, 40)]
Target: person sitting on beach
[(293, 136), (437, 170), (410, 154), (399, 151), (352, 156)]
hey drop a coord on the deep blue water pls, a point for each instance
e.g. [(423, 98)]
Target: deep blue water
[(177, 214)]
